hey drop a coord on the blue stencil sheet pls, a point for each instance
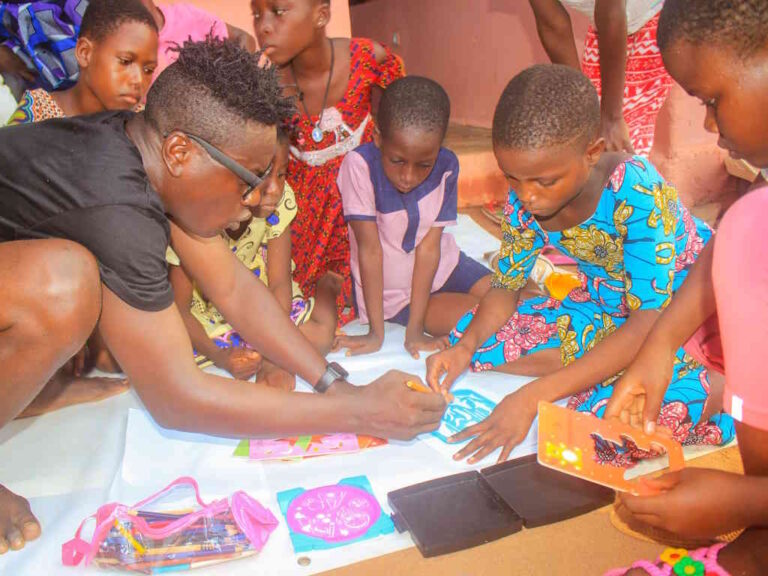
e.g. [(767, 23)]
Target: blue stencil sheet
[(468, 408), (304, 542)]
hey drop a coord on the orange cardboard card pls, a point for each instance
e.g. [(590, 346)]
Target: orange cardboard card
[(567, 443)]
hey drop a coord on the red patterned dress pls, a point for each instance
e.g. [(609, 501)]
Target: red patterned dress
[(320, 240), (646, 85)]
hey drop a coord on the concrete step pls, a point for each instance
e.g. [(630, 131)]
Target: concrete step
[(480, 180)]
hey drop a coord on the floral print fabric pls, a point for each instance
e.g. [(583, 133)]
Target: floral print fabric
[(633, 253)]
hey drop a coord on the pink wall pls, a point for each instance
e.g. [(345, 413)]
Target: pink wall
[(238, 13), (472, 47)]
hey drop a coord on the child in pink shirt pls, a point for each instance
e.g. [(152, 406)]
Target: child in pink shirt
[(398, 194), (180, 22), (717, 51)]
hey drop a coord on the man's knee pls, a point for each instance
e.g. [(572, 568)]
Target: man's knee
[(61, 290), (73, 284)]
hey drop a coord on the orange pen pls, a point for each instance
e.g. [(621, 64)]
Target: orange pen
[(419, 387)]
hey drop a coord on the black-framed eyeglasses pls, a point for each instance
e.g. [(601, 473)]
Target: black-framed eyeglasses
[(251, 178)]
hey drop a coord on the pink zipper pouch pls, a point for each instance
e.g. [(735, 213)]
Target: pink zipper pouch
[(171, 530)]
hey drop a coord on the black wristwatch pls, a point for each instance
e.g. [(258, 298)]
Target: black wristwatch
[(333, 372)]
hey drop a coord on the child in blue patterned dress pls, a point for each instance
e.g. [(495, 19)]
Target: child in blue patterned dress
[(633, 242)]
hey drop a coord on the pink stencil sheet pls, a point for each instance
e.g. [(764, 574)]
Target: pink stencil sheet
[(303, 446), (333, 513)]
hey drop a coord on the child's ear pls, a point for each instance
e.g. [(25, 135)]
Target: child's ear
[(84, 51), (595, 150), (323, 15), (377, 137)]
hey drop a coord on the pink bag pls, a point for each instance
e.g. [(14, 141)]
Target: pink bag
[(172, 530)]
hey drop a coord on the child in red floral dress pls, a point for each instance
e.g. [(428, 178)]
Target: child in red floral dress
[(334, 79)]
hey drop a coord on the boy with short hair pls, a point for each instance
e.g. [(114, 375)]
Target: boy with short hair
[(399, 193)]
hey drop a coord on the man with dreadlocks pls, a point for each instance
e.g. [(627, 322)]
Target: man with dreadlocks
[(88, 247)]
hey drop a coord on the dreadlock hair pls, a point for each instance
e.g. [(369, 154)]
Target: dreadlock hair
[(414, 102), (544, 106), (104, 17), (214, 86), (738, 24)]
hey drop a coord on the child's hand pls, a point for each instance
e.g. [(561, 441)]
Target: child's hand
[(416, 341), (507, 426), (616, 134), (275, 377), (358, 345), (242, 363), (11, 63), (694, 503), (638, 395), (451, 362)]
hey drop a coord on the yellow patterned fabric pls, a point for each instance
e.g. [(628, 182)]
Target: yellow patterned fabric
[(35, 106), (251, 250)]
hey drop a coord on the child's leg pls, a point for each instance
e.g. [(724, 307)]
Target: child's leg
[(684, 412), (320, 329), (481, 287), (748, 554), (445, 309), (463, 289), (527, 345), (51, 294)]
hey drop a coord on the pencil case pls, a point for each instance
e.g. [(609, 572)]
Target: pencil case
[(170, 531)]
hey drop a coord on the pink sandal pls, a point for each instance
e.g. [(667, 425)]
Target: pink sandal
[(679, 562)]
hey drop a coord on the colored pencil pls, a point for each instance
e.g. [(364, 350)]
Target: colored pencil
[(419, 387), (202, 551), (201, 564), (128, 536), (165, 563), (211, 546)]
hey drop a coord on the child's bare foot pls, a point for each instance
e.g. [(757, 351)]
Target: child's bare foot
[(331, 283), (17, 523), (64, 390)]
